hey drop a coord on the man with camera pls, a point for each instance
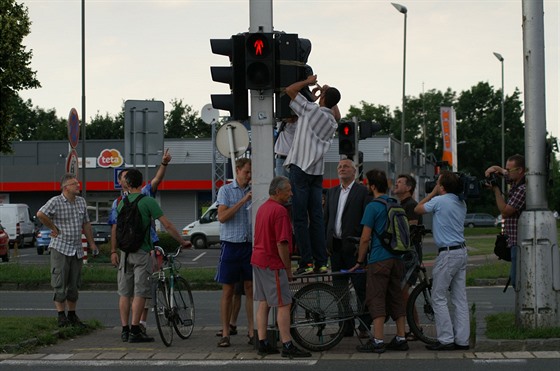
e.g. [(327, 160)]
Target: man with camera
[(514, 174)]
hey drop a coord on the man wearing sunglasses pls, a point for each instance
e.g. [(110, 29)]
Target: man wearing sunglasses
[(514, 174)]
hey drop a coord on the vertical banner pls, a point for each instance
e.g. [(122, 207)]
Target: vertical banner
[(449, 131)]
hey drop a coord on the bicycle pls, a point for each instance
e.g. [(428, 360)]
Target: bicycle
[(419, 312), (173, 303), (319, 310)]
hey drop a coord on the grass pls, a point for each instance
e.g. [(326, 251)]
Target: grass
[(502, 326), (24, 334), (488, 271), (31, 276)]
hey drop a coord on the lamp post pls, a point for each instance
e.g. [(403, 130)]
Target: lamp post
[(501, 59), (402, 9)]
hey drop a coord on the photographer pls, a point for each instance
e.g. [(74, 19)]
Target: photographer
[(514, 173)]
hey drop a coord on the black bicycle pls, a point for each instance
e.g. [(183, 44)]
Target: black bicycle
[(172, 299), (419, 312)]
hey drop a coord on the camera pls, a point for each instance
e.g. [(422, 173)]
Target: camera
[(470, 187), (493, 180)]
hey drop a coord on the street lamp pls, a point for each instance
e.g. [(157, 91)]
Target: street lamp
[(402, 9), (501, 59)]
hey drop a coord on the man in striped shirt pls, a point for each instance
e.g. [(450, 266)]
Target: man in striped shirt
[(312, 139)]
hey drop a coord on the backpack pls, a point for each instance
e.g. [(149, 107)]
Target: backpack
[(396, 236), (130, 228)]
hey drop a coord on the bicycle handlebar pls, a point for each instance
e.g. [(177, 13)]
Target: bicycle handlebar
[(168, 254)]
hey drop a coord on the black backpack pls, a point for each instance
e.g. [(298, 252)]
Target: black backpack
[(130, 228)]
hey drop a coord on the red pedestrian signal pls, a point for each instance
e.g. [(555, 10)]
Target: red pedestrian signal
[(259, 61)]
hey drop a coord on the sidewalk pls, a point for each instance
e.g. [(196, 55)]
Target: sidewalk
[(106, 344)]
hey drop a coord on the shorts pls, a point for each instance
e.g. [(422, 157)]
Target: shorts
[(134, 274), (272, 286), (235, 263), (383, 291), (66, 276)]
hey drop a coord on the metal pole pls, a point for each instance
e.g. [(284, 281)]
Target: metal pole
[(84, 184), (213, 126), (537, 300), (501, 59), (262, 122), (402, 9)]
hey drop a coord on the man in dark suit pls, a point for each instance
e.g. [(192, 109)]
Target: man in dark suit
[(344, 208)]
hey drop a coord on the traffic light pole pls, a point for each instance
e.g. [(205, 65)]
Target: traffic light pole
[(262, 123)]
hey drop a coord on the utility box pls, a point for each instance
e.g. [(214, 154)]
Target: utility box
[(538, 271)]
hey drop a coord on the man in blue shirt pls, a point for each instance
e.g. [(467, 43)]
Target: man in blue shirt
[(384, 274), (236, 244), (449, 272)]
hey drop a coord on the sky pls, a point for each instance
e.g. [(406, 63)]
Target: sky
[(160, 49)]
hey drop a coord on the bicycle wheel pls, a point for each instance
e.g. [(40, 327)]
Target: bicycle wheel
[(162, 312), (420, 301), (316, 317), (183, 308)]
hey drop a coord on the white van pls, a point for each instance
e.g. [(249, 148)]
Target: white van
[(205, 231), (18, 223)]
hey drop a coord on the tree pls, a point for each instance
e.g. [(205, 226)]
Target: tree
[(105, 127), (183, 122), (34, 123), (15, 73)]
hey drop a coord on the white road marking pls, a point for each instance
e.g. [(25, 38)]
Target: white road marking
[(199, 256)]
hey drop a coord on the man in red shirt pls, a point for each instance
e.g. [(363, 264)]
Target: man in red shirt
[(272, 267)]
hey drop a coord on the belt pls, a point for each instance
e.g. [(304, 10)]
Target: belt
[(281, 157), (449, 248)]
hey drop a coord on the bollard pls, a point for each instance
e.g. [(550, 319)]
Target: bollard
[(85, 247)]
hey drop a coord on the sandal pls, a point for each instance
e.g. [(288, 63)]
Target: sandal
[(251, 340), (232, 331), (224, 342)]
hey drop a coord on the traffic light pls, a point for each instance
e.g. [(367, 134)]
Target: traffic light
[(368, 128), (291, 58), (237, 102), (347, 139), (259, 61)]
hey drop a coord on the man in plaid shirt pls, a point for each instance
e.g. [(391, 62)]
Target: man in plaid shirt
[(66, 216), (514, 174)]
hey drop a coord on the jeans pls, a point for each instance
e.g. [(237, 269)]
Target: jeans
[(307, 213), (279, 169), (449, 277)]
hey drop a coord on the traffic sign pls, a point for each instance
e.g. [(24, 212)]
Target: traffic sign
[(72, 162), (232, 139), (73, 128)]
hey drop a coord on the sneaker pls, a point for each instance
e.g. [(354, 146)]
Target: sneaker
[(267, 349), (323, 269), (397, 344), (124, 335), (142, 329), (294, 352), (439, 346), (139, 338), (63, 321), (75, 321), (462, 347), (304, 270), (251, 340), (371, 347)]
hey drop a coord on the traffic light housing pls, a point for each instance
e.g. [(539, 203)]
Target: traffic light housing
[(292, 54), (259, 61), (237, 102), (368, 128), (347, 139)]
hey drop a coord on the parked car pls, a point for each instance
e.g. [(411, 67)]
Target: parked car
[(101, 233), (205, 231), (42, 240), (4, 245), (479, 220)]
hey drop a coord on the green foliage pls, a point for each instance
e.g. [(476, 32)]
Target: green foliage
[(34, 123), (503, 326), (167, 242), (183, 122), (105, 127), (16, 74)]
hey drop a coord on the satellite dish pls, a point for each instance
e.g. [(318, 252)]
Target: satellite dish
[(209, 114), (232, 138)]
